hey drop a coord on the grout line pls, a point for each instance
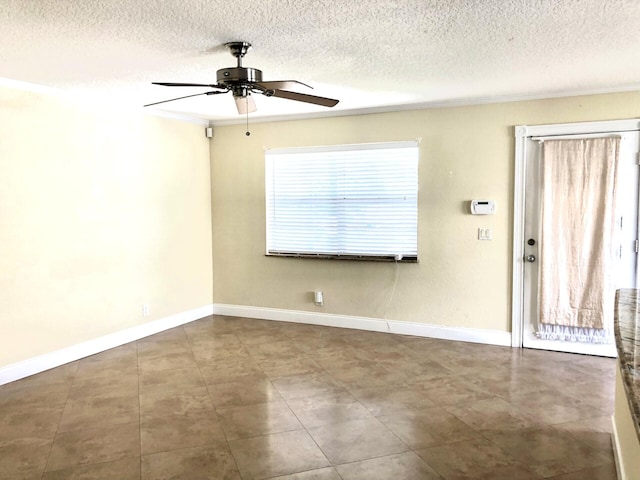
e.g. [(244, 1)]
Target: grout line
[(215, 408), (66, 401)]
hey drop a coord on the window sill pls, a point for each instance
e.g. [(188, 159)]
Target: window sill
[(357, 258)]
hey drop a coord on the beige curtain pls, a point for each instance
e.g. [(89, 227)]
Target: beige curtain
[(577, 287)]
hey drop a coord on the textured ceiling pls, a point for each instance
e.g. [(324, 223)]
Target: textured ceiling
[(380, 54)]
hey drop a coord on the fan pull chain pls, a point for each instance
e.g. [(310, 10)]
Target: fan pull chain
[(247, 101)]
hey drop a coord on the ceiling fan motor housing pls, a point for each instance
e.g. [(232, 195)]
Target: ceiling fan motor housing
[(238, 76)]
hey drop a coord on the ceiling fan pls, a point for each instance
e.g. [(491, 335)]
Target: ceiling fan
[(243, 81)]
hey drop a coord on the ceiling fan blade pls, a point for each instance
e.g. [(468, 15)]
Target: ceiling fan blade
[(180, 98), (171, 84), (278, 84), (245, 104), (303, 97)]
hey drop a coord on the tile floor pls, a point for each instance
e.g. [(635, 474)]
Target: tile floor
[(227, 398)]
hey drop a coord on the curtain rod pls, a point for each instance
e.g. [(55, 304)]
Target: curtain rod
[(542, 138)]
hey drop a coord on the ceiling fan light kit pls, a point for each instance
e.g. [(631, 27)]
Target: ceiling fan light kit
[(243, 81)]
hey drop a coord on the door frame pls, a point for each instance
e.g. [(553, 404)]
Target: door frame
[(522, 134)]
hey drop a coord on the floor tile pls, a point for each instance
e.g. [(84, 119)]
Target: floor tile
[(167, 360), (365, 374), (122, 384), (277, 454), (432, 426), (52, 395), (36, 475), (260, 419), (270, 347), (180, 431), (597, 367), (356, 440), (212, 325), (325, 409), (328, 473), (94, 446), (214, 341), (164, 340), (150, 350), (469, 364), (328, 349), (202, 463), (369, 340), (594, 432), (423, 345), (597, 394), (492, 416), (178, 379), (295, 365), (208, 356), (405, 466), (109, 363), (506, 383), (267, 342), (101, 410), (29, 421), (107, 367), (549, 451), (123, 469), (452, 391), (237, 394), (307, 385), (231, 369), (547, 357), (566, 378), (474, 459), (63, 374), (158, 402), (552, 406), (604, 472), (386, 400), (419, 370), (396, 354), (24, 456)]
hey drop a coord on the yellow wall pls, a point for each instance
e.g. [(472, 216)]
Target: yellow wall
[(99, 213), (102, 212), (466, 153)]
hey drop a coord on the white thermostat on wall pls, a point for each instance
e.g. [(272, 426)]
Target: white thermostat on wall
[(483, 207)]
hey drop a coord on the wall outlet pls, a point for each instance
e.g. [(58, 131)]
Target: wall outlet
[(145, 309)]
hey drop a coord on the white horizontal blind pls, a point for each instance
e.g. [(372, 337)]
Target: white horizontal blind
[(349, 200)]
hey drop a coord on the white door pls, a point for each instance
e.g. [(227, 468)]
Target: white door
[(627, 226)]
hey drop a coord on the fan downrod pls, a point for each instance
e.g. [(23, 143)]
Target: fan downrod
[(238, 50), (239, 76)]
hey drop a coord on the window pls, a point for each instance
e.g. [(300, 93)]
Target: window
[(346, 201)]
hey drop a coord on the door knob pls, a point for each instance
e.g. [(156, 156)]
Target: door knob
[(530, 258)]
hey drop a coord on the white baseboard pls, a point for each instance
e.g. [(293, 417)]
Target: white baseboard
[(44, 362), (475, 335), (615, 440)]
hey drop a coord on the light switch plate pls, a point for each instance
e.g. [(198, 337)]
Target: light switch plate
[(484, 234)]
